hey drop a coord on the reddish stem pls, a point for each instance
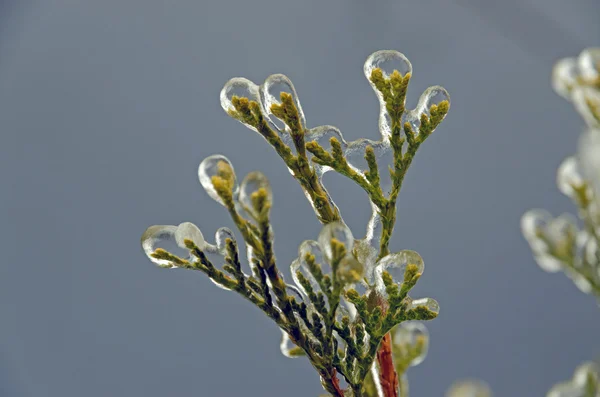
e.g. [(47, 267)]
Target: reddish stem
[(336, 383), (387, 373)]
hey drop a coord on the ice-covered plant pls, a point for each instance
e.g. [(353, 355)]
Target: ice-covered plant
[(585, 383), (561, 244), (349, 311)]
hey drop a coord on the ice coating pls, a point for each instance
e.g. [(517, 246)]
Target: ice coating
[(270, 94), (432, 96), (587, 102), (172, 239), (345, 310), (242, 88), (338, 231), (571, 73), (251, 183), (543, 232), (589, 63), (587, 247), (569, 177), (386, 60), (294, 292), (533, 222), (577, 387), (311, 248), (217, 252), (429, 303), (589, 157), (355, 155), (350, 270), (212, 166), (409, 335), (151, 239), (298, 266), (378, 386), (585, 371), (322, 135), (221, 237), (564, 76), (395, 264), (188, 231), (366, 254), (287, 347), (580, 281)]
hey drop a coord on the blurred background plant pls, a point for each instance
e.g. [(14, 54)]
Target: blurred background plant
[(561, 244), (564, 243)]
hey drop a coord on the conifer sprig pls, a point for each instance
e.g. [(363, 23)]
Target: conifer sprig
[(324, 317)]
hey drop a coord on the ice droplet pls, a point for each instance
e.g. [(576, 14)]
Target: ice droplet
[(586, 371), (564, 76), (338, 231), (566, 389), (384, 155), (396, 264), (545, 233), (346, 310), (312, 247), (295, 292), (587, 249), (432, 96), (216, 253), (587, 102), (366, 254), (252, 183), (216, 165), (469, 388), (366, 249), (589, 157), (289, 348), (153, 237), (171, 238), (580, 282), (589, 64), (221, 237), (429, 303), (241, 88), (296, 267), (569, 177), (270, 94), (561, 230), (189, 231), (322, 135), (533, 222), (308, 248), (578, 386), (350, 270), (411, 334), (387, 61)]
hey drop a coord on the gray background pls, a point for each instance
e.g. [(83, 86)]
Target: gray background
[(107, 107)]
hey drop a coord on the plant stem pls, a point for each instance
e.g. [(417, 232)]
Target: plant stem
[(387, 373)]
